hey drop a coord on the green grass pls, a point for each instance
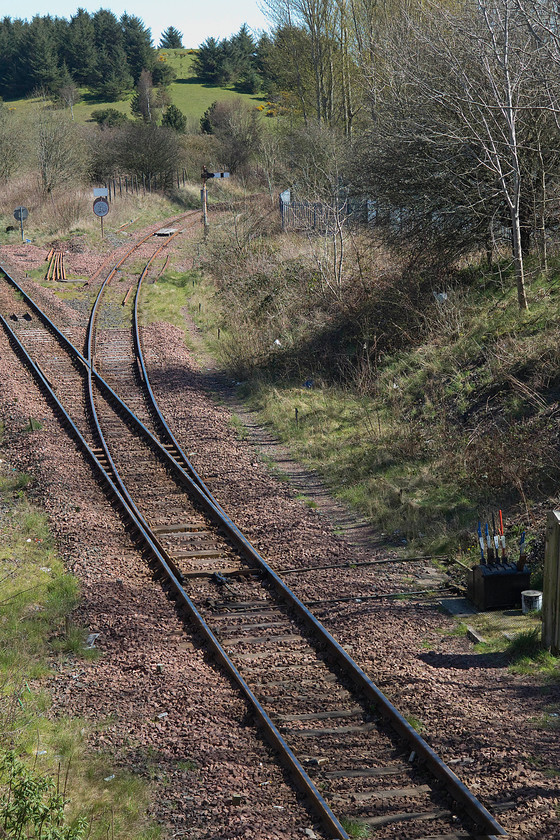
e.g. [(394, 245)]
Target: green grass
[(82, 109), (239, 427), (527, 656), (191, 96), (415, 722), (310, 503), (521, 647), (355, 828), (164, 299), (549, 720), (360, 461), (37, 598)]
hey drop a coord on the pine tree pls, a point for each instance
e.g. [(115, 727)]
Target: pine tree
[(137, 41), (42, 69), (112, 78), (80, 48), (209, 60), (243, 49), (171, 39), (12, 34), (175, 119)]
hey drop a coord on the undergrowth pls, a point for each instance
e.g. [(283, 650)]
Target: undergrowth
[(527, 655), (426, 412)]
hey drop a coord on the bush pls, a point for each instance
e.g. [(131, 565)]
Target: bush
[(109, 117), (31, 805), (175, 119)]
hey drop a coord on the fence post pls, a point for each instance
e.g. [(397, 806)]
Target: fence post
[(551, 585)]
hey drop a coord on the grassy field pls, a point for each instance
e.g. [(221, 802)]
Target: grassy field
[(190, 95)]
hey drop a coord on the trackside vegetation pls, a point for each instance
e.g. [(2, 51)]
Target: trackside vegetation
[(51, 784), (421, 408)]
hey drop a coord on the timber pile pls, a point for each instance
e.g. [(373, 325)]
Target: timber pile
[(55, 268)]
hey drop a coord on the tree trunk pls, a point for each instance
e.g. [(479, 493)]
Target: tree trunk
[(518, 258)]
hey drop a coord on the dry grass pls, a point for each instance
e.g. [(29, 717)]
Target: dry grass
[(424, 412), (68, 211)]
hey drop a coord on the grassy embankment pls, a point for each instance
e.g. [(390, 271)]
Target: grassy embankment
[(455, 425), (189, 94), (457, 420), (37, 636)]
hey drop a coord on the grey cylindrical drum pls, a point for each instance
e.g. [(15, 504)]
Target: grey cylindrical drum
[(531, 599)]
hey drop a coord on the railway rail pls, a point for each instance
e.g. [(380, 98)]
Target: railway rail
[(345, 745)]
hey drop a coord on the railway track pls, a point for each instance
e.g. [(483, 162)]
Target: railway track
[(356, 758)]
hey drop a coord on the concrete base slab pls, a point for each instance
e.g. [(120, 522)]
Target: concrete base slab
[(458, 606)]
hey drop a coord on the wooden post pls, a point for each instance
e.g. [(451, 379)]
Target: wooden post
[(551, 585), (204, 200)]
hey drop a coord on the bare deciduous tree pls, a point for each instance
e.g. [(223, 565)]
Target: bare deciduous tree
[(59, 150), (459, 90)]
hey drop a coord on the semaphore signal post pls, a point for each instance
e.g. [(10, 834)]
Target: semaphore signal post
[(205, 175)]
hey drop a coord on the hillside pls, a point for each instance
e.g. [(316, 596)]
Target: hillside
[(188, 93)]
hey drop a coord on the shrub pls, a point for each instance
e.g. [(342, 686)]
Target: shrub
[(31, 805), (109, 117)]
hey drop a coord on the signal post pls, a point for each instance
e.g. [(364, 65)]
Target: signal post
[(205, 175)]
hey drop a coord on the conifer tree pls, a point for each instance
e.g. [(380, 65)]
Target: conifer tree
[(137, 42), (80, 50), (209, 60), (171, 39), (112, 77), (42, 70), (175, 119)]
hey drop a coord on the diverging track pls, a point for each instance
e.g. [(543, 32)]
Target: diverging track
[(351, 752)]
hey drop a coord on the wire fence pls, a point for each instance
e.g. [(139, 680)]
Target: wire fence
[(157, 181)]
